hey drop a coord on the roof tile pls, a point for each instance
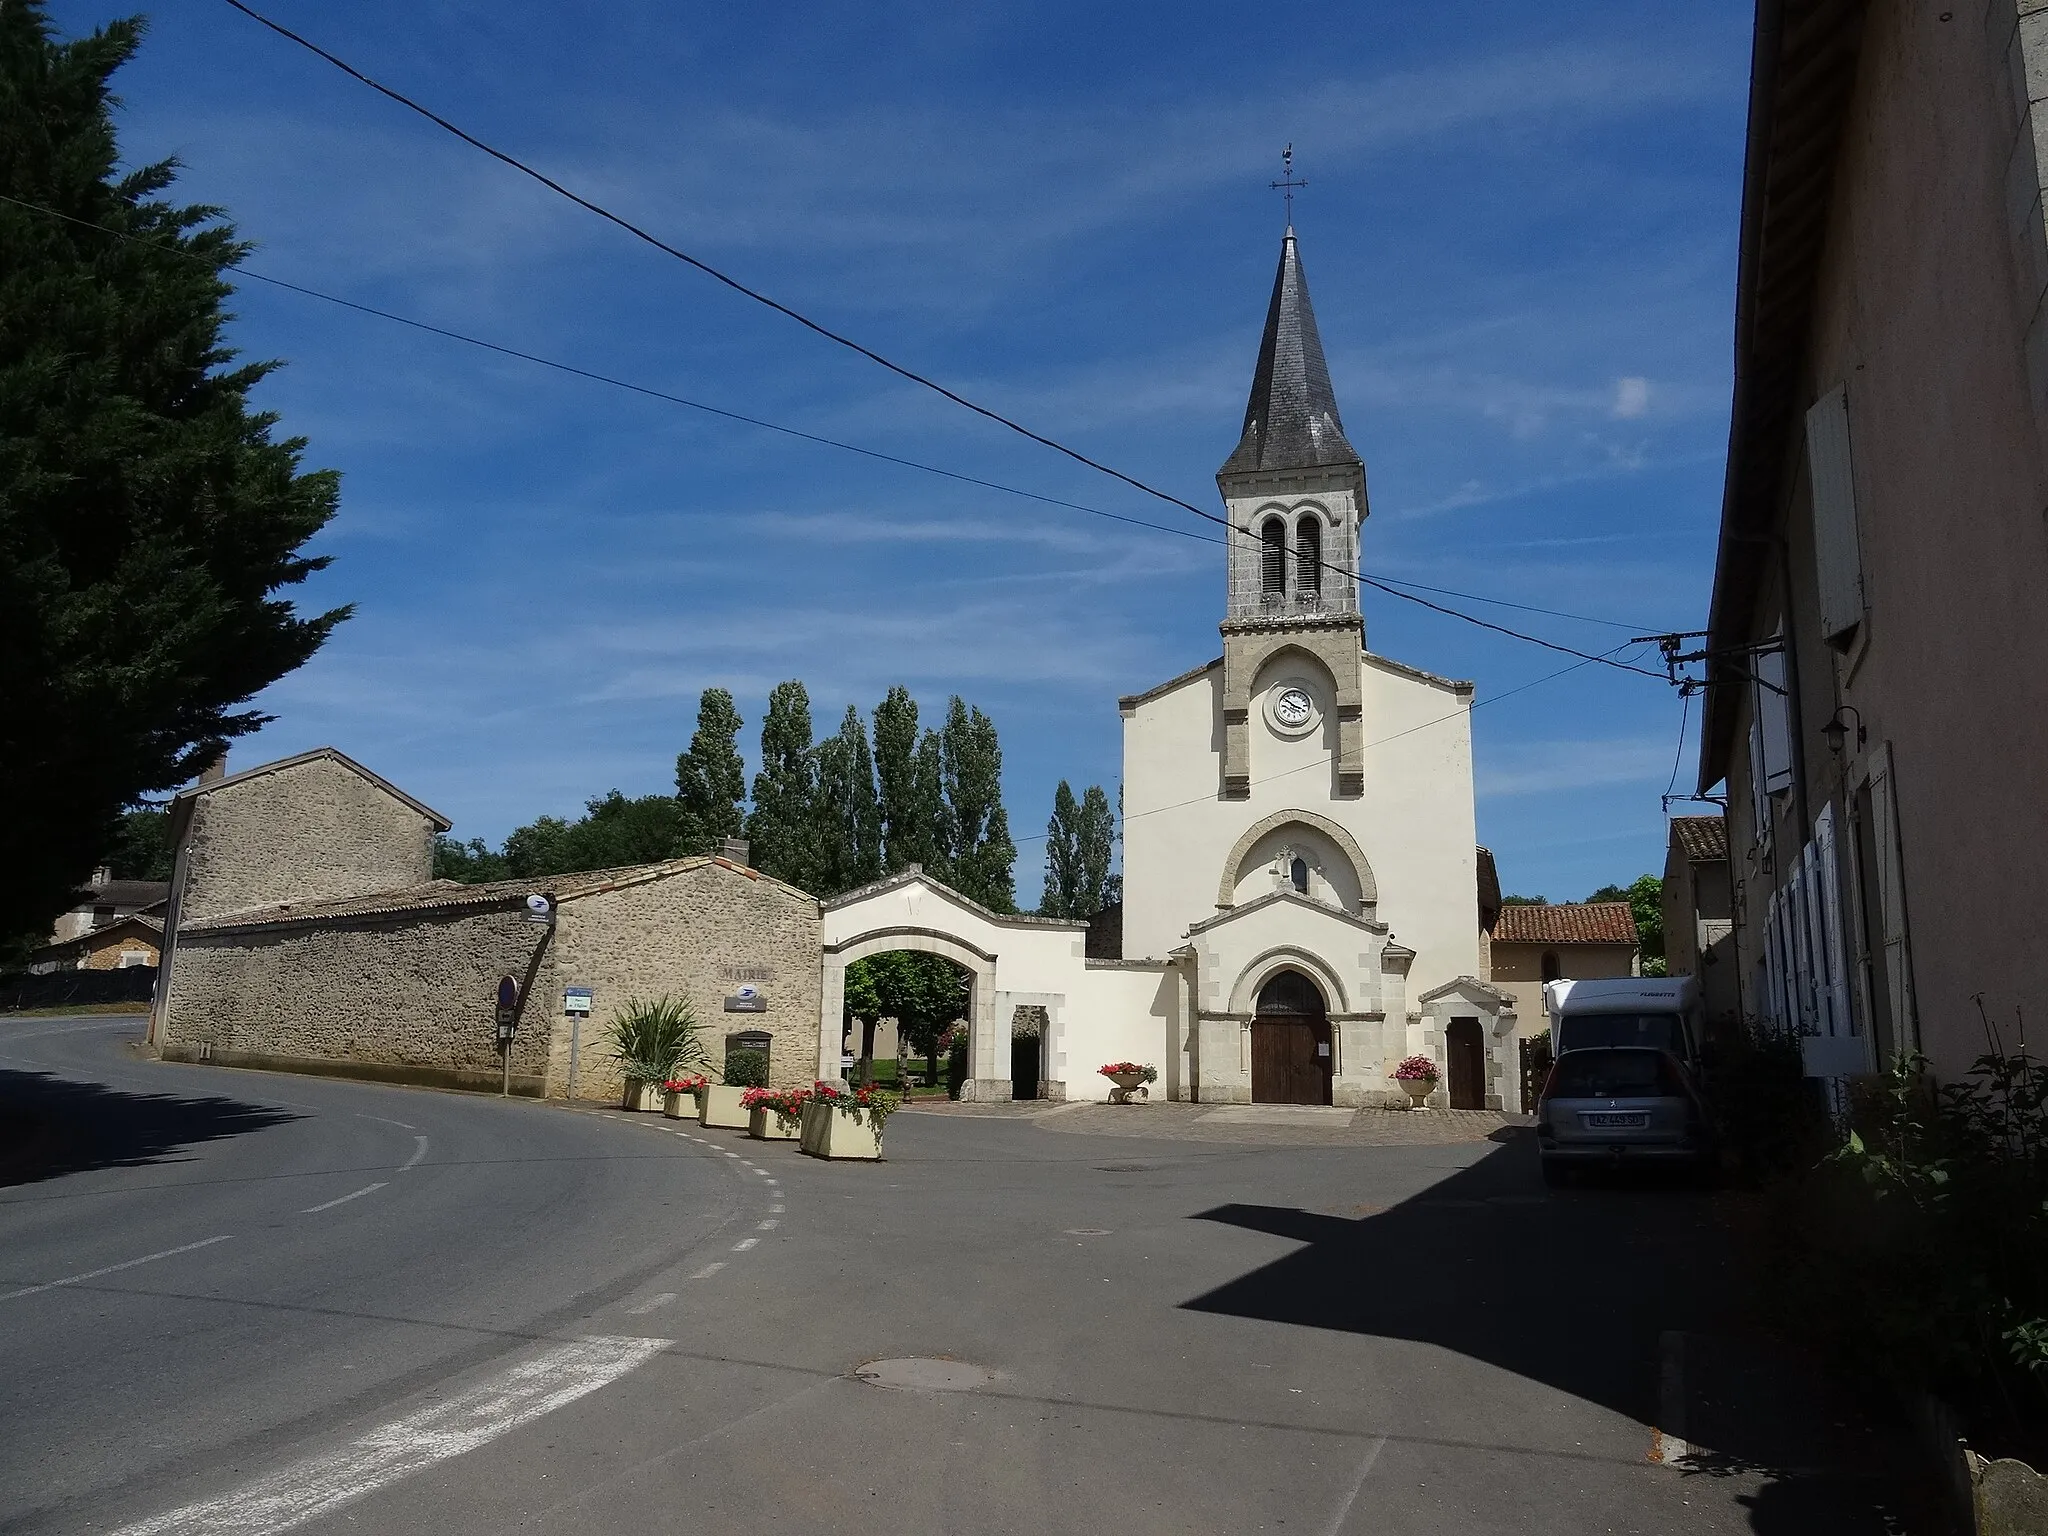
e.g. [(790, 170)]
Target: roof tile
[(1587, 922)]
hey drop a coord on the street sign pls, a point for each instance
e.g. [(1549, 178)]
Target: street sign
[(576, 1002), (508, 1007), (539, 909), (748, 999)]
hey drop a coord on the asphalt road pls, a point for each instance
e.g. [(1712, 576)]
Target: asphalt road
[(239, 1302)]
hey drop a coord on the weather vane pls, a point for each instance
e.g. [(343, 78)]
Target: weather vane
[(1287, 183)]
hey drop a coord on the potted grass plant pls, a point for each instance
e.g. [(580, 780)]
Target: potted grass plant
[(654, 1040)]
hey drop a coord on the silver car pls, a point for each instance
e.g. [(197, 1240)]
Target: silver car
[(1621, 1105)]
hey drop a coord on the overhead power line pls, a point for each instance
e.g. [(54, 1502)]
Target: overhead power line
[(840, 339), (730, 415)]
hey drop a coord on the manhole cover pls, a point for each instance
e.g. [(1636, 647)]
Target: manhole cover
[(924, 1375), (1127, 1167)]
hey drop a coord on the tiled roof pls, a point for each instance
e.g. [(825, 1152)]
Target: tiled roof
[(1588, 922), (126, 893), (1703, 839), (454, 896), (1291, 420)]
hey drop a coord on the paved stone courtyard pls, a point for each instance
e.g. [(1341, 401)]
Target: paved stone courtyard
[(1253, 1124)]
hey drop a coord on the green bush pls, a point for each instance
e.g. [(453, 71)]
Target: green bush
[(956, 1066), (654, 1039), (746, 1069)]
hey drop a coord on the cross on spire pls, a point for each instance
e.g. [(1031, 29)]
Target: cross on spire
[(1288, 182)]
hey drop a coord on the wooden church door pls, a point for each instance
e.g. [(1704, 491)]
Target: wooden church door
[(1291, 1060)]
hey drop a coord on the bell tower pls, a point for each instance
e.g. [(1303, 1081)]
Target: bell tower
[(1294, 491)]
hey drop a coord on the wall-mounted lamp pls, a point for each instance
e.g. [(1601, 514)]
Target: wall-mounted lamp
[(1837, 729)]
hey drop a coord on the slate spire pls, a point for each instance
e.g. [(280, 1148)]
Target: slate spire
[(1291, 420)]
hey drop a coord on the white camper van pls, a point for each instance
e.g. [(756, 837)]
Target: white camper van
[(1659, 1012)]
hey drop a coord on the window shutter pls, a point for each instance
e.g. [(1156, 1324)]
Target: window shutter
[(1773, 710), (1838, 559), (1891, 899), (1830, 913)]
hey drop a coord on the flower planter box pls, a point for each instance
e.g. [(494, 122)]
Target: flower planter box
[(839, 1134), (641, 1095), (764, 1124), (719, 1105), (679, 1106), (1130, 1088), (1418, 1090)]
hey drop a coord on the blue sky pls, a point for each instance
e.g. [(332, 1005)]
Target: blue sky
[(1519, 233)]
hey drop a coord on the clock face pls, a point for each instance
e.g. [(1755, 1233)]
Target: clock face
[(1294, 707)]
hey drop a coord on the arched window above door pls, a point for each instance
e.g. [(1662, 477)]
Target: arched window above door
[(1297, 873)]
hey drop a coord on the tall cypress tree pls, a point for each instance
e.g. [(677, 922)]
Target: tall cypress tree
[(149, 521), (849, 837), (928, 835), (711, 781), (903, 841), (984, 858), (1063, 877), (783, 825)]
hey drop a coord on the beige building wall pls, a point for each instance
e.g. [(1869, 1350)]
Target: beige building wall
[(409, 997), (309, 829), (1929, 309), (699, 933), (1414, 821), (1518, 971)]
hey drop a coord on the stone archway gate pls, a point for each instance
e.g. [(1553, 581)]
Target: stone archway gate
[(1010, 959)]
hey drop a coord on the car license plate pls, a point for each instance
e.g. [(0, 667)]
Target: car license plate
[(1615, 1121)]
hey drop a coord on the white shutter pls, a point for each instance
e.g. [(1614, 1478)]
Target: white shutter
[(1897, 956), (1774, 715), (1838, 557), (1759, 801), (1835, 948)]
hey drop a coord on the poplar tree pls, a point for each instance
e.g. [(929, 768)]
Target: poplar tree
[(895, 754), (1080, 841), (150, 523), (782, 827), (849, 835), (983, 857), (711, 780)]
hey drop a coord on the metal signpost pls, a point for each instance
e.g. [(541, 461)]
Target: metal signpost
[(508, 1021)]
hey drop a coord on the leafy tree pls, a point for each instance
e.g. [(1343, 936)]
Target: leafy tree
[(1645, 898), (1525, 901), (472, 862), (922, 993), (613, 832), (783, 825), (1079, 844), (983, 856), (144, 851), (148, 520), (931, 840), (905, 839), (711, 781), (849, 836)]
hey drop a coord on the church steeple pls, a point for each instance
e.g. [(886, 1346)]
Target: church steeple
[(1291, 420)]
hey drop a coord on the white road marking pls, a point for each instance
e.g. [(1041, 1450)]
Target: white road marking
[(708, 1271), (298, 1493), (1669, 1444), (1364, 1471), (94, 1274), (732, 1154), (774, 1210), (744, 1244), (418, 1152), (768, 1226), (652, 1303), (367, 1189), (383, 1121), (761, 1171)]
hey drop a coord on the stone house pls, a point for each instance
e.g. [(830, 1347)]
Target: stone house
[(400, 982), (126, 942), (1567, 941), (1699, 927), (1877, 701), (107, 900)]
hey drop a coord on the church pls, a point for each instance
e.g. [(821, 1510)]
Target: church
[(1304, 897)]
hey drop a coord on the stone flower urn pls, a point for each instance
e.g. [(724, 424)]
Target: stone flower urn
[(1418, 1089)]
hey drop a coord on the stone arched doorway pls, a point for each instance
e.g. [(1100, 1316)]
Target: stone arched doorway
[(1292, 1060), (979, 965)]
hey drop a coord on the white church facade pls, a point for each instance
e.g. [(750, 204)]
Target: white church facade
[(1301, 882)]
